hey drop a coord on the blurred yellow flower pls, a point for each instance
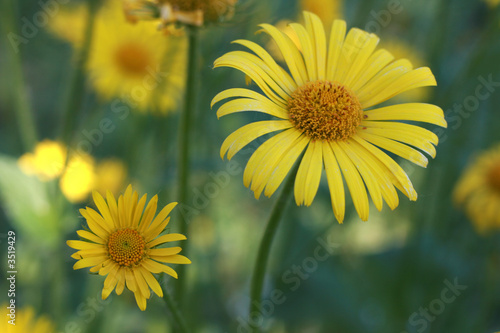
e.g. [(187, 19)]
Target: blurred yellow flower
[(79, 178), (46, 162), (122, 243), (130, 61), (110, 176), (196, 12), (24, 321), (327, 10), (492, 3), (478, 190), (326, 106)]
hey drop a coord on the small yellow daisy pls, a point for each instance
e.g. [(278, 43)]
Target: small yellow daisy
[(123, 241), (478, 190), (23, 320), (325, 105)]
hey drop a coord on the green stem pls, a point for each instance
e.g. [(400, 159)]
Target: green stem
[(260, 267), (74, 100), (184, 135), (177, 315), (24, 113)]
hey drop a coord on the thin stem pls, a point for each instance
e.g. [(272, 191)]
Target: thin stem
[(74, 99), (24, 113), (260, 267), (177, 315), (184, 136)]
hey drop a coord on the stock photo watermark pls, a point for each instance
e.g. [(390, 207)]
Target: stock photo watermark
[(292, 279), (420, 320), (11, 277)]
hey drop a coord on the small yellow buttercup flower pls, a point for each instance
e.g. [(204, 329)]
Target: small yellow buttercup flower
[(478, 190), (79, 178), (46, 162), (23, 320), (325, 105), (123, 242)]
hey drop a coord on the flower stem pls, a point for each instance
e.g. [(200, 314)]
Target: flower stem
[(260, 267), (177, 315), (24, 113), (74, 99), (184, 136)]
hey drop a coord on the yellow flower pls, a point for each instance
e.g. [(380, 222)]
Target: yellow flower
[(478, 190), (492, 3), (123, 241), (47, 163), (25, 321), (79, 178), (325, 107), (130, 61), (110, 175), (196, 12), (327, 10)]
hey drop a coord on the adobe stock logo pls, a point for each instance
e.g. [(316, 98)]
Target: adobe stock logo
[(421, 319)]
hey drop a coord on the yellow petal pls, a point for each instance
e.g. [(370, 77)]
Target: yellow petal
[(175, 259), (141, 300), (164, 251), (335, 182), (285, 164), (90, 236), (165, 239), (411, 111), (377, 61), (249, 104), (138, 211), (246, 134), (307, 49), (82, 245), (316, 30), (151, 281), (141, 283), (148, 215), (397, 148), (284, 77), (162, 215), (90, 261), (103, 209), (290, 53), (94, 226), (156, 267), (353, 180), (337, 36), (366, 173)]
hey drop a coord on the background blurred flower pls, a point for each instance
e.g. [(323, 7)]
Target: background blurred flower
[(79, 177), (323, 108), (122, 244), (130, 61), (110, 176), (46, 161), (196, 12), (327, 10), (25, 321), (478, 190)]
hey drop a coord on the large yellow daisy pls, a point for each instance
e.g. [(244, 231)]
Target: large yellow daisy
[(324, 105), (134, 62), (478, 190), (122, 243)]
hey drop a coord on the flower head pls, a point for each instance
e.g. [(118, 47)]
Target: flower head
[(122, 243), (478, 190), (325, 104), (24, 321), (131, 61)]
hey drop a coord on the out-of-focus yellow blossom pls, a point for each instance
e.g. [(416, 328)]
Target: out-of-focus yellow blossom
[(327, 10), (46, 162), (478, 190), (492, 3), (110, 176), (79, 178), (24, 321), (130, 61)]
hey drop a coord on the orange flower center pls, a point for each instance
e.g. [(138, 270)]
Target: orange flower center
[(325, 110), (132, 59), (494, 177), (126, 247)]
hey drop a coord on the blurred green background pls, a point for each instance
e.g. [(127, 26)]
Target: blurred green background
[(381, 276)]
